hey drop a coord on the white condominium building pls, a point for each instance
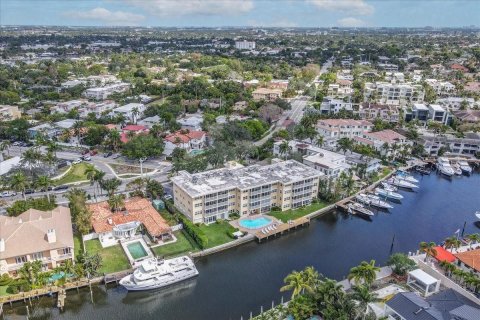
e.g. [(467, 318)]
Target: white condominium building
[(394, 93), (207, 196), (342, 128), (245, 45)]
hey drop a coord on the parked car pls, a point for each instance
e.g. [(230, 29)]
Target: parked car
[(46, 189), (93, 152), (85, 151), (29, 191), (62, 187), (8, 194), (115, 156), (108, 154), (77, 161), (86, 158)]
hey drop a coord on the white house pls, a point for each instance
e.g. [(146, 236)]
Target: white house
[(132, 111), (185, 139)]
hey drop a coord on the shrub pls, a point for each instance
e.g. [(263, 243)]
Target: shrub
[(5, 280), (19, 285), (21, 206)]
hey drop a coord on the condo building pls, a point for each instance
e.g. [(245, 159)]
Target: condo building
[(211, 195)]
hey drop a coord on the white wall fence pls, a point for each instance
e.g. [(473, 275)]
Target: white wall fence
[(90, 236)]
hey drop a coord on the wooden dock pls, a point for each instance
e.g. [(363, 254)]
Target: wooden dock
[(282, 228)]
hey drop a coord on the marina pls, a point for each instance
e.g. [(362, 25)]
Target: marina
[(333, 243)]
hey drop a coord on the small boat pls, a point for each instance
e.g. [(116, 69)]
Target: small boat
[(359, 208), (423, 170), (388, 194), (157, 273), (443, 165), (377, 202), (402, 183), (477, 214), (456, 169), (465, 167), (405, 176), (388, 187)]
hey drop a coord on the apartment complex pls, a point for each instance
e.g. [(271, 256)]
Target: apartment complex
[(207, 196), (467, 146), (8, 113), (266, 94), (342, 128), (331, 105), (424, 113), (372, 111), (101, 93), (394, 93), (35, 235), (245, 45)]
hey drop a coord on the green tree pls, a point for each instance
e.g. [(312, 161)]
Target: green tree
[(295, 281), (154, 189), (363, 295), (364, 273), (110, 185), (428, 248), (400, 263), (143, 146), (19, 183), (44, 183)]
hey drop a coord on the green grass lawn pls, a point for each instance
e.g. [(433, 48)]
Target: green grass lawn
[(77, 173), (297, 213), (184, 244), (113, 258), (217, 233), (3, 291), (385, 171), (77, 245)]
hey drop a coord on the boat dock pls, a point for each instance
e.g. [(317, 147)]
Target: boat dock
[(282, 228)]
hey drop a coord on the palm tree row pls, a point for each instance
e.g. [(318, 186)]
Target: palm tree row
[(19, 182), (469, 280)]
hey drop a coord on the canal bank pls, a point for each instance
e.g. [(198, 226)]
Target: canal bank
[(234, 282)]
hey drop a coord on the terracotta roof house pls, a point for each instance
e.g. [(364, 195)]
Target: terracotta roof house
[(458, 67), (132, 129), (470, 259), (35, 235), (379, 138), (138, 215), (185, 139)]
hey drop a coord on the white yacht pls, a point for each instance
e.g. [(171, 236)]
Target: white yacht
[(156, 273), (465, 167), (443, 165), (456, 169), (359, 208), (388, 187), (401, 183), (382, 193), (372, 200), (403, 175)]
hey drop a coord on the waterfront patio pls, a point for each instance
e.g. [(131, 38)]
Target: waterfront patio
[(421, 281)]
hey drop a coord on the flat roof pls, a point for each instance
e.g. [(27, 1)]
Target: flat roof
[(423, 277), (240, 177)]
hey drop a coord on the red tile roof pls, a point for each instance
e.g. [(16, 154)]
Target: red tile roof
[(444, 255), (459, 67), (470, 258), (185, 137), (137, 209), (134, 127), (111, 126), (389, 136)]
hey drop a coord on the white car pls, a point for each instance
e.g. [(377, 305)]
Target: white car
[(8, 194), (77, 161)]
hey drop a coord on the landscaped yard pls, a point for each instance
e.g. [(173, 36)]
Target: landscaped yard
[(113, 258), (76, 173), (184, 244), (217, 233), (297, 213), (77, 245), (3, 290), (385, 171)]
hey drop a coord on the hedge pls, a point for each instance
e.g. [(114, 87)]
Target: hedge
[(193, 231), (21, 206)]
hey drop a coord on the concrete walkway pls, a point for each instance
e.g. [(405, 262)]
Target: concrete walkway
[(225, 246)]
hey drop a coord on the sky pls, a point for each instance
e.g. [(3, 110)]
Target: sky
[(252, 13)]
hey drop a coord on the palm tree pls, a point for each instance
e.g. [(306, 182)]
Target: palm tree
[(320, 141), (474, 238), (365, 272), (452, 243), (98, 178), (135, 113), (53, 147), (31, 158), (116, 202), (310, 277), (19, 183), (428, 248), (295, 281), (363, 296), (448, 267), (44, 183), (284, 148), (113, 140), (344, 144), (110, 185), (5, 145), (90, 173), (77, 129)]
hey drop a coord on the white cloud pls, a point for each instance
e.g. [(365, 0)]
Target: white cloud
[(108, 17), (351, 22), (165, 8), (279, 23), (355, 7)]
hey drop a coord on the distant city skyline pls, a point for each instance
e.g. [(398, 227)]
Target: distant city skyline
[(248, 13)]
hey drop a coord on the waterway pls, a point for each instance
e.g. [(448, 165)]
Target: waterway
[(240, 280)]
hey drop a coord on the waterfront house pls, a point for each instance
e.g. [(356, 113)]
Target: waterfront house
[(215, 194), (137, 217), (467, 146), (334, 129), (36, 235), (469, 260), (445, 305), (378, 139)]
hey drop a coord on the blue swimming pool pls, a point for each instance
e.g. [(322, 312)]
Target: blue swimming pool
[(256, 223)]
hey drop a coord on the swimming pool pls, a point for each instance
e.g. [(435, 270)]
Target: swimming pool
[(137, 251), (256, 223)]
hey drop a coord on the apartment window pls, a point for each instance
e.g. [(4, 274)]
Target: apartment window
[(21, 259), (67, 250), (37, 256)]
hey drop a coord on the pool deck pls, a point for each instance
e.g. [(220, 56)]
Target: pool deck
[(282, 228), (236, 224)]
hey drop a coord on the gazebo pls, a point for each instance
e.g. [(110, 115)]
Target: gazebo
[(423, 282)]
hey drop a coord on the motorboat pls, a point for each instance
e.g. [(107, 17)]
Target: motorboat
[(456, 168), (465, 167), (388, 187), (443, 165), (377, 202), (401, 183), (422, 170), (359, 208), (405, 176), (382, 193), (157, 273)]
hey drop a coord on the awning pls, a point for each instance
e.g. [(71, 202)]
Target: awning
[(444, 255)]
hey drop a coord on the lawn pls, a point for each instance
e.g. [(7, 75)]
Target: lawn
[(113, 258), (385, 171), (297, 213), (217, 233), (3, 291), (184, 244), (76, 173), (77, 245)]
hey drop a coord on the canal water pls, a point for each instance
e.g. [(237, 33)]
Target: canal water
[(240, 280)]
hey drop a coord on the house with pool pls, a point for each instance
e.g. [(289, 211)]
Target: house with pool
[(138, 220), (211, 195)]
